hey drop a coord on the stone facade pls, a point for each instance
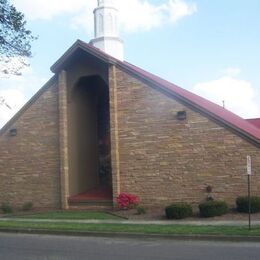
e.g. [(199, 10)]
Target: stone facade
[(29, 161), (153, 154), (63, 138), (164, 160), (115, 159)]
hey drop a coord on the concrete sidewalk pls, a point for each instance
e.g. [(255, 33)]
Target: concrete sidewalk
[(135, 235), (140, 222)]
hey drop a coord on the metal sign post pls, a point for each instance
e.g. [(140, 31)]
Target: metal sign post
[(249, 173)]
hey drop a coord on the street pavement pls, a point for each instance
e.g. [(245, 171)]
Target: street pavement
[(22, 246)]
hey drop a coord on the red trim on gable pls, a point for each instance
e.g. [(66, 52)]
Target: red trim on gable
[(224, 114), (254, 121), (230, 119)]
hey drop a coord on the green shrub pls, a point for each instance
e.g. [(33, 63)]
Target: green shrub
[(242, 204), (213, 208), (27, 206), (140, 210), (178, 211), (6, 208)]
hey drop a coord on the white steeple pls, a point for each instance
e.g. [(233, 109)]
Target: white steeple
[(106, 29)]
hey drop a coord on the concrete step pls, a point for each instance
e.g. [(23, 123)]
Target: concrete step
[(90, 208), (91, 205)]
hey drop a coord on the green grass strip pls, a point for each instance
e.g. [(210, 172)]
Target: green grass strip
[(136, 228), (70, 215)]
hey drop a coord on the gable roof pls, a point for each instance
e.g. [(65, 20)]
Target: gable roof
[(217, 112), (254, 121), (240, 125), (234, 122)]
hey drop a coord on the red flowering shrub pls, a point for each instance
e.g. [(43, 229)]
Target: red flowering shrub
[(127, 201)]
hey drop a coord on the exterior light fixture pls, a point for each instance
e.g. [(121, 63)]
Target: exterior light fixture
[(181, 115), (13, 132)]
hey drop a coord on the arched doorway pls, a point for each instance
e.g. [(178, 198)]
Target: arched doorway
[(89, 140)]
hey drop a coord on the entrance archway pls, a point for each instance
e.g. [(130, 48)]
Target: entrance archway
[(89, 139)]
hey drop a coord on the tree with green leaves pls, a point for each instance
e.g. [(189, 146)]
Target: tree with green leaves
[(15, 40), (3, 103)]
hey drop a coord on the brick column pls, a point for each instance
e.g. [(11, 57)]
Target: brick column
[(114, 132), (63, 124)]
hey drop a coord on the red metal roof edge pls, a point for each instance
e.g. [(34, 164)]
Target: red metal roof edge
[(227, 117), (85, 46), (254, 121), (223, 114)]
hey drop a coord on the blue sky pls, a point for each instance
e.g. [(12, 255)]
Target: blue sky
[(208, 47)]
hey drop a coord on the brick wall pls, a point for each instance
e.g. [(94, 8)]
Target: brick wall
[(162, 159), (154, 155), (29, 162)]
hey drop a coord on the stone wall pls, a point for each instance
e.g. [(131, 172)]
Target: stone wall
[(154, 155), (29, 161), (164, 160)]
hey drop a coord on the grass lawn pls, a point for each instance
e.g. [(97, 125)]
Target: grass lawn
[(135, 228), (79, 215)]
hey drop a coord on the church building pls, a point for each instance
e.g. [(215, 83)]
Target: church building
[(102, 126)]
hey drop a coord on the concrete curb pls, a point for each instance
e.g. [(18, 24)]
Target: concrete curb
[(133, 235)]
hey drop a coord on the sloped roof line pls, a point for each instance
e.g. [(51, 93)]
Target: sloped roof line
[(254, 121), (227, 117), (219, 113), (213, 110), (209, 107), (45, 87)]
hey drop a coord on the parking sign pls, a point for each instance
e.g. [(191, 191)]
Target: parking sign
[(249, 165)]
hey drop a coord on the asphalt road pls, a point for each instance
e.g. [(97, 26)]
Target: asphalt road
[(14, 246)]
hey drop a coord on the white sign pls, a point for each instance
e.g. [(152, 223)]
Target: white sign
[(249, 165)]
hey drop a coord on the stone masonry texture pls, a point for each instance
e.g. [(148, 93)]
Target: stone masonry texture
[(165, 160), (29, 161), (154, 155)]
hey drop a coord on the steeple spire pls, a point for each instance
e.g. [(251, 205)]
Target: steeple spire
[(106, 29), (106, 2)]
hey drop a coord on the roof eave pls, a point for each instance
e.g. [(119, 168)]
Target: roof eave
[(212, 115), (57, 66)]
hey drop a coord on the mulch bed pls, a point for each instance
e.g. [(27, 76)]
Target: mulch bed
[(151, 214)]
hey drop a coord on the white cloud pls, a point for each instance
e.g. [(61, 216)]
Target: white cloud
[(179, 9), (239, 95), (48, 9), (16, 90), (135, 15), (15, 99), (232, 72)]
